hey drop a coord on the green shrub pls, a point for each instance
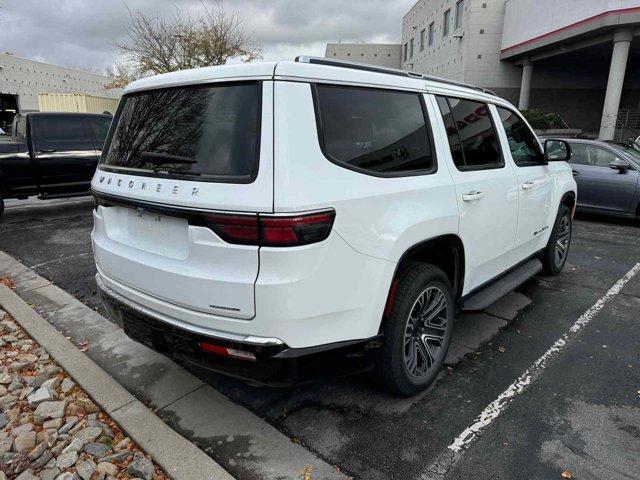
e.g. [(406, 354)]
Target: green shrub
[(541, 120)]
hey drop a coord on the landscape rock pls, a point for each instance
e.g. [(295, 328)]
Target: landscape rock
[(96, 449), (41, 395), (20, 429), (67, 385), (37, 451), (141, 467), (49, 473), (67, 459), (48, 410), (56, 423), (27, 475), (43, 460), (122, 444), (85, 469), (74, 446), (24, 442), (88, 434), (118, 457), (67, 476), (71, 422), (3, 420), (5, 444), (108, 468)]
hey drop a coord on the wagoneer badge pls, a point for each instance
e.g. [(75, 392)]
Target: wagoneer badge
[(144, 185)]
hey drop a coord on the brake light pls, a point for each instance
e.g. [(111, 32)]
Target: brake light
[(271, 231)]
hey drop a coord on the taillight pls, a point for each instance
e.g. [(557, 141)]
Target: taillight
[(271, 231), (242, 229)]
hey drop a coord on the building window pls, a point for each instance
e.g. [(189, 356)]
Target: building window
[(422, 35), (406, 49), (432, 30), (446, 20), (411, 48), (459, 13)]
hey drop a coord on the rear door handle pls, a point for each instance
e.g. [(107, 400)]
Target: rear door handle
[(528, 185), (473, 195)]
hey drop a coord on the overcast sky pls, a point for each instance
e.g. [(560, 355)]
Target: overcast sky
[(77, 33)]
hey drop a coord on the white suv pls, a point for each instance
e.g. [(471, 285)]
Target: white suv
[(281, 221)]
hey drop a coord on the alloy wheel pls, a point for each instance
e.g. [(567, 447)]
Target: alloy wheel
[(562, 240), (425, 331)]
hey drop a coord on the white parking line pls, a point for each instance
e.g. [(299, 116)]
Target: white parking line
[(445, 461)]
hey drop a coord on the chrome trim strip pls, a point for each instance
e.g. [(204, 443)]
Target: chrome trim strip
[(250, 339)]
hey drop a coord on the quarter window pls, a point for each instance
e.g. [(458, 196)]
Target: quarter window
[(472, 135), (381, 132), (523, 144)]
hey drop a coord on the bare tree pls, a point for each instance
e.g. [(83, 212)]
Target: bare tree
[(157, 44), (121, 75)]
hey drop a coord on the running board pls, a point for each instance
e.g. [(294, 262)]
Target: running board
[(50, 196), (498, 289)]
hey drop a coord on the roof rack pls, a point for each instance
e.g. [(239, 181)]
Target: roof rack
[(389, 71)]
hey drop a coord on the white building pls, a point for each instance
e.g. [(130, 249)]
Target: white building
[(381, 54), (567, 56), (21, 80)]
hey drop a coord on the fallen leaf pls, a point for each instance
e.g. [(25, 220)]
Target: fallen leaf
[(306, 472), (83, 346), (502, 349), (566, 474)]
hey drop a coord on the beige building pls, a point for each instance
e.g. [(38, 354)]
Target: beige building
[(22, 80), (380, 54)]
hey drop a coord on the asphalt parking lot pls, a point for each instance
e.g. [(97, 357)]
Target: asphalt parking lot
[(579, 412)]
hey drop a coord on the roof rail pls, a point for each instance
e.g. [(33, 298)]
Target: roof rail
[(389, 71)]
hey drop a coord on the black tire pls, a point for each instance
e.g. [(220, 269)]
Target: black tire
[(1, 206), (402, 335), (557, 250)]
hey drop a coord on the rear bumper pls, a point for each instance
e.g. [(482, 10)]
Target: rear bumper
[(275, 363)]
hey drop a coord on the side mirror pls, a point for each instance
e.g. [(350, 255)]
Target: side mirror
[(557, 151), (621, 165)]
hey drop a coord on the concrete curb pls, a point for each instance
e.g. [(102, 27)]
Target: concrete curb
[(173, 453)]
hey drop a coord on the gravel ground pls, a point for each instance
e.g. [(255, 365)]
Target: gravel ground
[(51, 430)]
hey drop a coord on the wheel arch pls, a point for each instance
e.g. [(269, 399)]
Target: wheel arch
[(569, 199), (445, 252)]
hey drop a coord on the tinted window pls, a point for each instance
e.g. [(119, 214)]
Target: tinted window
[(209, 132), (98, 126), (379, 131), (580, 155), (475, 134), (523, 144), (452, 132), (599, 157), (62, 132)]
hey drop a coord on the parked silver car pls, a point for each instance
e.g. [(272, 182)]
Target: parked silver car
[(607, 177)]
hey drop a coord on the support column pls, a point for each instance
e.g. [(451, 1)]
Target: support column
[(525, 87), (621, 43)]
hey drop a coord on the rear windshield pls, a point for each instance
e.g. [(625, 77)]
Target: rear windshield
[(210, 133)]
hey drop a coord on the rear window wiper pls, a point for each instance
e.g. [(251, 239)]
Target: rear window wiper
[(158, 158)]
